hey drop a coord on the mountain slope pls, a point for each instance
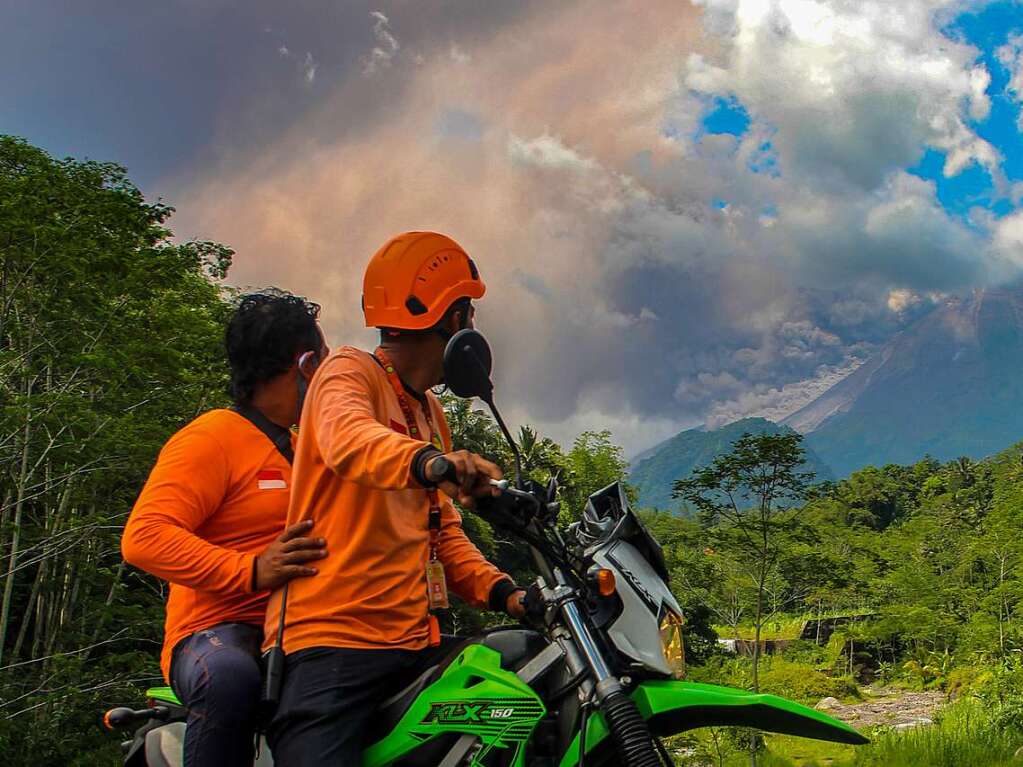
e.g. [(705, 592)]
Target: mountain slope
[(676, 458), (949, 385)]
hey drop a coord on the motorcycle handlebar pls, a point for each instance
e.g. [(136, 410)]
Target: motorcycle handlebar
[(446, 471)]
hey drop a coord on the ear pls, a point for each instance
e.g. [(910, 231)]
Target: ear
[(307, 364), (455, 320)]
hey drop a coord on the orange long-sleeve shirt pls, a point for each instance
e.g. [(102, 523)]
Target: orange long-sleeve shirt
[(217, 496), (353, 478)]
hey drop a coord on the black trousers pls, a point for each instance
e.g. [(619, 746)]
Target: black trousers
[(329, 697)]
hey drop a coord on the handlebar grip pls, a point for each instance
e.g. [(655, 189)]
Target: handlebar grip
[(444, 469)]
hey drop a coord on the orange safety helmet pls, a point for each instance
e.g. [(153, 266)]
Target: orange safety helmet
[(413, 280)]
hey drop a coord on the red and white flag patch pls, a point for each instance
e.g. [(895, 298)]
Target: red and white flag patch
[(271, 479)]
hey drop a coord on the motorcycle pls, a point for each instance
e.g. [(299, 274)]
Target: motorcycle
[(592, 680)]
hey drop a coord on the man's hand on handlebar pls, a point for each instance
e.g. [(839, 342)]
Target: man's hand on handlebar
[(464, 476), (516, 604)]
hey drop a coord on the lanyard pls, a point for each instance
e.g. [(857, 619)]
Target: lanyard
[(436, 586), (413, 430)]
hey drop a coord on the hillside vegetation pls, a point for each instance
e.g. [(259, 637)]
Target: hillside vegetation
[(924, 562)]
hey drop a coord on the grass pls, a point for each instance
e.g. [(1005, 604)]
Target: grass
[(965, 735)]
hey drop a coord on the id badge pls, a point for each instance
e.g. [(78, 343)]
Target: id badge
[(436, 585)]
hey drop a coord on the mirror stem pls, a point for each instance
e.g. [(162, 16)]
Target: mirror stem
[(508, 437)]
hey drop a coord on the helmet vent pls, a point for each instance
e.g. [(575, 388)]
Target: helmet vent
[(415, 306)]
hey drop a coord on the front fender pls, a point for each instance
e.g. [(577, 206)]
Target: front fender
[(671, 707)]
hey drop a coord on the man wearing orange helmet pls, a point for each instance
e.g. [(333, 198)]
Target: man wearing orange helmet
[(369, 473)]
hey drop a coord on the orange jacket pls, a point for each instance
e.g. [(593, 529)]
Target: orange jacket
[(353, 478), (217, 496)]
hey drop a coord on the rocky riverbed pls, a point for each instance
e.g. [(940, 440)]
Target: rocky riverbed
[(898, 709)]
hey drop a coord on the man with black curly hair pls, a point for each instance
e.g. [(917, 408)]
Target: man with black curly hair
[(210, 520)]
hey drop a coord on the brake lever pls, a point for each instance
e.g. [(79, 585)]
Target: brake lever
[(505, 487)]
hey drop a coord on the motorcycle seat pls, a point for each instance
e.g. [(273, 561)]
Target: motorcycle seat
[(516, 647)]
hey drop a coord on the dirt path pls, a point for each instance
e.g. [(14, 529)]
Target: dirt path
[(894, 708)]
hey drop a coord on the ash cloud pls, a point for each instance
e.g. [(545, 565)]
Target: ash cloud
[(642, 275)]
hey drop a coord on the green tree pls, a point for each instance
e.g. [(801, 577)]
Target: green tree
[(746, 498), (594, 462), (110, 339)]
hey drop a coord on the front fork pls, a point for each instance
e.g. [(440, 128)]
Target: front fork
[(581, 653), (584, 660)]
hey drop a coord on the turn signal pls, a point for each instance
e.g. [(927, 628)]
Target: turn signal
[(118, 717), (605, 582)]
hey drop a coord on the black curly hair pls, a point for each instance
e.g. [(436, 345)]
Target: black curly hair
[(267, 331)]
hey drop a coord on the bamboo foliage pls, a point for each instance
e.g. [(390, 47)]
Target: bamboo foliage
[(109, 341)]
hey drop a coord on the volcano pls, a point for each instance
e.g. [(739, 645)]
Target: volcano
[(950, 385)]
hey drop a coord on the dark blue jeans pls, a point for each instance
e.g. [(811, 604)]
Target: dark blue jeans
[(216, 673)]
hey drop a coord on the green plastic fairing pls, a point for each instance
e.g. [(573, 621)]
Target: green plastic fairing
[(475, 696), (165, 694), (671, 707)]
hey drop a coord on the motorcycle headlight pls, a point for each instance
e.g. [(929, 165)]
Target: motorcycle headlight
[(671, 643)]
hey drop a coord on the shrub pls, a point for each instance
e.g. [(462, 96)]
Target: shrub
[(803, 683)]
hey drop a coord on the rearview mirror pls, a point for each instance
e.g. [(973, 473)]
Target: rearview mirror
[(467, 365)]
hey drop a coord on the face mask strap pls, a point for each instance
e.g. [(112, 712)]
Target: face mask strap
[(301, 384)]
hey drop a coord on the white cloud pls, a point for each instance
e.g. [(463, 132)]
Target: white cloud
[(1009, 237), (549, 152), (1011, 57), (980, 103), (307, 65), (901, 299), (852, 88), (309, 68), (386, 48)]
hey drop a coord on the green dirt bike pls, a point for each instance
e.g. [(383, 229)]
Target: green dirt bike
[(591, 681)]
